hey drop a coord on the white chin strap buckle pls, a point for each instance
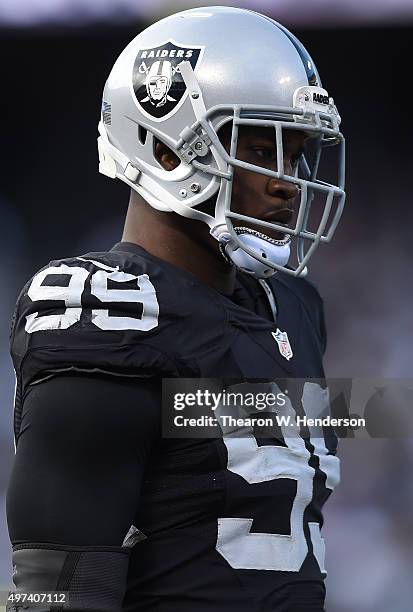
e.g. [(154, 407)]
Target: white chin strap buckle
[(276, 252)]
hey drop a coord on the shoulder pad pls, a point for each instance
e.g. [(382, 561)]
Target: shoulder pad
[(114, 312)]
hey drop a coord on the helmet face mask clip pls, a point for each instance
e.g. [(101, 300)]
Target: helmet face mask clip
[(182, 91)]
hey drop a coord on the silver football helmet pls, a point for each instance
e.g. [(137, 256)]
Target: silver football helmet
[(182, 79)]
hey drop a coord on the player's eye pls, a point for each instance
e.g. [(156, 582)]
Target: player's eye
[(268, 153)]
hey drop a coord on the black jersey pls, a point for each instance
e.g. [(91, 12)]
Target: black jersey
[(128, 312), (230, 524)]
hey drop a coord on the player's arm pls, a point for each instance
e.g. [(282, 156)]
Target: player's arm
[(75, 485)]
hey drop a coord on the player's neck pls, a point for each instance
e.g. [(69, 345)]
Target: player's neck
[(170, 237)]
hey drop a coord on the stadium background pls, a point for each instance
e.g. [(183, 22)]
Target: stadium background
[(53, 203)]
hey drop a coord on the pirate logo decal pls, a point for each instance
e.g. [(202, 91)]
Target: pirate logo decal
[(157, 82)]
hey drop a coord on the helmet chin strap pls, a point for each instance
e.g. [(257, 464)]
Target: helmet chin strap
[(276, 253)]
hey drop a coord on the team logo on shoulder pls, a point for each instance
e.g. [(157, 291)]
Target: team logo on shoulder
[(157, 82), (283, 343)]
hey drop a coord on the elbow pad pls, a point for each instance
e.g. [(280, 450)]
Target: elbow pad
[(93, 577)]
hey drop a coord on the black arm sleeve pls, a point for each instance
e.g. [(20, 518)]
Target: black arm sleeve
[(80, 459)]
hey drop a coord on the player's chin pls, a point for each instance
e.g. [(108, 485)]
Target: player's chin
[(275, 234)]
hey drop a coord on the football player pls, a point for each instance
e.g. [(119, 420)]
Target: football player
[(204, 284)]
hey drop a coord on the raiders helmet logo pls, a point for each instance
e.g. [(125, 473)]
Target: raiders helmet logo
[(157, 82)]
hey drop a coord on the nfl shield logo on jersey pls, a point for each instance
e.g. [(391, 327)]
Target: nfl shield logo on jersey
[(157, 82), (283, 343)]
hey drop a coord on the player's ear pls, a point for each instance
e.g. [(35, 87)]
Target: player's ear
[(165, 156)]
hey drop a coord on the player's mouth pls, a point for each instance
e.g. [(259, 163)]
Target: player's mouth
[(283, 217)]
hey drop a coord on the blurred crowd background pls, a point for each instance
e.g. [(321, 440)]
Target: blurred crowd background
[(56, 55)]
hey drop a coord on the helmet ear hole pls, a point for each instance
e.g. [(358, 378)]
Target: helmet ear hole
[(165, 156), (142, 134)]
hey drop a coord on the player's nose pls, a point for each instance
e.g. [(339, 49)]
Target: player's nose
[(278, 188)]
